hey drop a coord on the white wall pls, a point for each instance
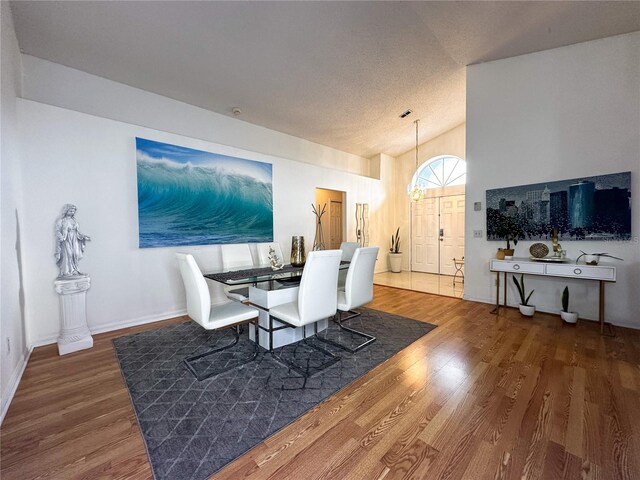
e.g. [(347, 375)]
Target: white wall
[(72, 157), (559, 114), (83, 153), (11, 309), (55, 84), (449, 143)]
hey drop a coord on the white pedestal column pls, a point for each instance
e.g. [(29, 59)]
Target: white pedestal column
[(74, 332)]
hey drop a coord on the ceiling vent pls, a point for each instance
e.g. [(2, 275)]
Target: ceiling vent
[(405, 114)]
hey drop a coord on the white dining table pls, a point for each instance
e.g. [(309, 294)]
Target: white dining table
[(267, 289)]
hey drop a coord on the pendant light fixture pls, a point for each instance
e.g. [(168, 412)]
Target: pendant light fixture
[(416, 193)]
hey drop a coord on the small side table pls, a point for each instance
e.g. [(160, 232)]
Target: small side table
[(74, 331), (459, 265)]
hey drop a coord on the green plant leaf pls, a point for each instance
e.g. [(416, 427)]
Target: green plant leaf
[(520, 288), (526, 302)]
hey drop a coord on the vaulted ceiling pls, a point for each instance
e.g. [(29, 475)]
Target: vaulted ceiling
[(335, 73)]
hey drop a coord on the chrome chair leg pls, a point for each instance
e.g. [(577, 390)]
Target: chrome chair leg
[(369, 338), (305, 371), (189, 361)]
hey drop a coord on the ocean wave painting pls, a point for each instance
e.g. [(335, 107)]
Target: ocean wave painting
[(191, 197)]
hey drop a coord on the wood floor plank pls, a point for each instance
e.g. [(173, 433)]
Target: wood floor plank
[(575, 422), (418, 455), (481, 397)]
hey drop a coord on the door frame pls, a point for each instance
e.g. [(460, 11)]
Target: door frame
[(326, 195)]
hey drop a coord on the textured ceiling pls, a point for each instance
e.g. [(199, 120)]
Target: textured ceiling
[(335, 73)]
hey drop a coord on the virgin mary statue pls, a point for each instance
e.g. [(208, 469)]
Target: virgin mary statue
[(70, 243)]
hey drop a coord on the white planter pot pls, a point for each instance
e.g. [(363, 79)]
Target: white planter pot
[(527, 310), (591, 259), (395, 262), (569, 317)]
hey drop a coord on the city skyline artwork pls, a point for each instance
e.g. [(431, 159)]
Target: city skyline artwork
[(584, 208)]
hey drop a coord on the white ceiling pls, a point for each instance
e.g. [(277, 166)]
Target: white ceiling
[(335, 73)]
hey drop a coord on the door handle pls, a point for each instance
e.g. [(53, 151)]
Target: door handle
[(442, 232)]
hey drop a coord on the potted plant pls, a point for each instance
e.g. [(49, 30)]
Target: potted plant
[(509, 230), (395, 255), (525, 308), (594, 258), (565, 314)]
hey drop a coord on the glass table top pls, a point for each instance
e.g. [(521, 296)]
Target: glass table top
[(253, 274)]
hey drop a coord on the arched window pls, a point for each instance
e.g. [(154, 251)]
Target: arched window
[(442, 171)]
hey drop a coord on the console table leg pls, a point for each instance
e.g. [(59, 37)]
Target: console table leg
[(505, 290), (611, 332), (496, 310), (601, 307)]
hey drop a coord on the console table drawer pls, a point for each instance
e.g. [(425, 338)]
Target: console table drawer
[(517, 267), (583, 271)]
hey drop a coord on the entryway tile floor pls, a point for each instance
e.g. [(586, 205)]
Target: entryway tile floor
[(421, 282)]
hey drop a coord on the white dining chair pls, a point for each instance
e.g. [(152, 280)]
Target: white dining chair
[(236, 257), (348, 249), (317, 300), (263, 253), (358, 291), (210, 317)]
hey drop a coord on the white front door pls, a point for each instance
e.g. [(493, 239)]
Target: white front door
[(426, 248), (438, 234), (452, 232)]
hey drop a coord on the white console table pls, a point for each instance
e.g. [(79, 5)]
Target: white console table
[(599, 273)]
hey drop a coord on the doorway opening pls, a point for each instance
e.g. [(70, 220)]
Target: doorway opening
[(437, 221), (334, 219)]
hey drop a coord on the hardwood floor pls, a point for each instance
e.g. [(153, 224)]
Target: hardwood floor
[(422, 282), (482, 396)]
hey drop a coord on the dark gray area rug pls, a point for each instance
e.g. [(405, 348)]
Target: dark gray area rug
[(193, 428)]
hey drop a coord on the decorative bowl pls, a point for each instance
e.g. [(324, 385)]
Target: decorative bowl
[(539, 250)]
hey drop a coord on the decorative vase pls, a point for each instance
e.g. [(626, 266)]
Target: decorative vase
[(359, 223), (527, 310), (362, 224), (569, 317), (298, 256), (395, 262), (500, 254)]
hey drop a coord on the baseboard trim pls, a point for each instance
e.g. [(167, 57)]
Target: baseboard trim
[(13, 383), (549, 310), (110, 327)]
